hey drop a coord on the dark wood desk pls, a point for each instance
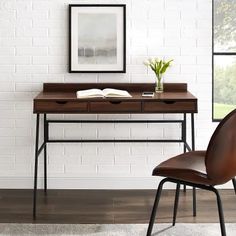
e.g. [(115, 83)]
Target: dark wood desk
[(61, 98)]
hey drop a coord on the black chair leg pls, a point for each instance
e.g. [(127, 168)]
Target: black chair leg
[(220, 210), (194, 185), (194, 202), (176, 203), (234, 184), (184, 188), (154, 209)]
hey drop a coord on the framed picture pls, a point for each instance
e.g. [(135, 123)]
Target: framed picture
[(97, 38)]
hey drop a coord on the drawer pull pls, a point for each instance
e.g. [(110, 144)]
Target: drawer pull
[(115, 102), (169, 102), (61, 102)]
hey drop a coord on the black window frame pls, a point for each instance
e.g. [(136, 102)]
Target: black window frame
[(213, 56)]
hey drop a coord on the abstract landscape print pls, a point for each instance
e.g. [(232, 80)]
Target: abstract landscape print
[(97, 38)]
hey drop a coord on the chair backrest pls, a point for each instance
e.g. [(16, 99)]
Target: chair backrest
[(221, 152)]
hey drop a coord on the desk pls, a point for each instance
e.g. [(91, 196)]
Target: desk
[(60, 98)]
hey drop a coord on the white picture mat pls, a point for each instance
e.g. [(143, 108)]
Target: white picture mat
[(118, 11)]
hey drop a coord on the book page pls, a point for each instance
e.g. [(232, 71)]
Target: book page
[(109, 92), (89, 93)]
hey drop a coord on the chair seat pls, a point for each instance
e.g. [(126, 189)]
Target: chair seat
[(189, 167)]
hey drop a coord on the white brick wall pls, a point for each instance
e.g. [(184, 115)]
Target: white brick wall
[(33, 50)]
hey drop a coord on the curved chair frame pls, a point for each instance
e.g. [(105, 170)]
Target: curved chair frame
[(178, 182)]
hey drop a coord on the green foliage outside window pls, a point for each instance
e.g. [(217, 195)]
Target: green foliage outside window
[(224, 65)]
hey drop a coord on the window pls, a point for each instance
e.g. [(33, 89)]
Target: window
[(224, 57)]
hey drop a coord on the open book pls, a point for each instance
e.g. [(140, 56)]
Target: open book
[(107, 92)]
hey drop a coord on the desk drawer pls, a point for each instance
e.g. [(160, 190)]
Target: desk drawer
[(115, 106), (60, 107), (170, 106)]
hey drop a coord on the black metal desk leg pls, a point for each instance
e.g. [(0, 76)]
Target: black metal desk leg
[(45, 153), (45, 169), (193, 131), (36, 167), (184, 125), (193, 148), (184, 131)]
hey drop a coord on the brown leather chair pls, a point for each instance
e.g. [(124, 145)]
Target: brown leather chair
[(202, 169)]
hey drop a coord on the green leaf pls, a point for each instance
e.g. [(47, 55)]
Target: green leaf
[(152, 67), (165, 66), (163, 70)]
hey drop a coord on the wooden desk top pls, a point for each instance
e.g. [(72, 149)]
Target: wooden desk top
[(61, 98), (136, 96)]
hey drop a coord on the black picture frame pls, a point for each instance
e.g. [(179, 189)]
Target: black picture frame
[(120, 54)]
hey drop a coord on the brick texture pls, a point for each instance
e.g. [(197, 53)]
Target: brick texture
[(33, 50)]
